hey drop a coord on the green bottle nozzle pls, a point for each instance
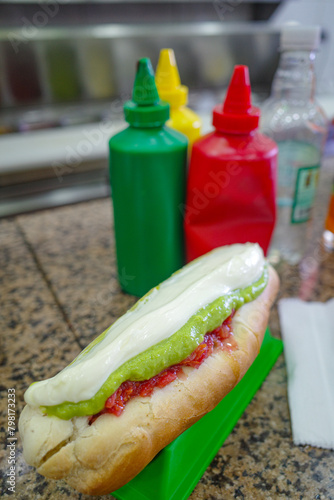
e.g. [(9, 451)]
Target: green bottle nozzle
[(145, 109), (144, 89)]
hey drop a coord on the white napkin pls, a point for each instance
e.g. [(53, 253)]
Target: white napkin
[(308, 336)]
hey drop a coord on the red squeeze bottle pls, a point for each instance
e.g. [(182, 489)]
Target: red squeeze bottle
[(232, 177)]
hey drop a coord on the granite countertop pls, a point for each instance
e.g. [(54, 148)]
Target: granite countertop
[(59, 289)]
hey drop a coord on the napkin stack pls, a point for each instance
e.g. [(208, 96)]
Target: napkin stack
[(308, 336)]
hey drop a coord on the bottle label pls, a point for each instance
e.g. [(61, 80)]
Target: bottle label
[(305, 189)]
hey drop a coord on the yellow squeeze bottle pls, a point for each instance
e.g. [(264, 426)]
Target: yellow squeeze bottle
[(170, 89)]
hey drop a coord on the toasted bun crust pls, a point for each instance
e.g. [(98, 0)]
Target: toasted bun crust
[(101, 458)]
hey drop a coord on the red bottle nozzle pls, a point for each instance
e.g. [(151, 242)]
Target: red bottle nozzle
[(237, 115), (238, 96)]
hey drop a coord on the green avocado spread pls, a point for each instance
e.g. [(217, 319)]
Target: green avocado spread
[(164, 354)]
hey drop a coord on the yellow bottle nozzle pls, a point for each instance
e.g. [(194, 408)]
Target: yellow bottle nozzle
[(168, 80)]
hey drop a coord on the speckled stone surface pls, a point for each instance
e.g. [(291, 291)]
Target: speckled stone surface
[(59, 289), (36, 342), (79, 250)]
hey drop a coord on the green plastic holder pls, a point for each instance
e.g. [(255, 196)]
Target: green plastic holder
[(175, 471)]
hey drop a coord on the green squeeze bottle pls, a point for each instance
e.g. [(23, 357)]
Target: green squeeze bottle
[(148, 182)]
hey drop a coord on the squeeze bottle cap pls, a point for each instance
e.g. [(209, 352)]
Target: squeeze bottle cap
[(295, 36), (237, 115), (168, 80), (145, 109)]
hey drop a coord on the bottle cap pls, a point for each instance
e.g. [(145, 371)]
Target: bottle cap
[(168, 80), (297, 37), (145, 109), (237, 115)]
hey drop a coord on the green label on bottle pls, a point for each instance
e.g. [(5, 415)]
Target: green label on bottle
[(305, 189)]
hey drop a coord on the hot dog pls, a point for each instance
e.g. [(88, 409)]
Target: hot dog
[(151, 375)]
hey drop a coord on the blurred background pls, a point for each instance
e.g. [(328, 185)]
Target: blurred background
[(66, 67)]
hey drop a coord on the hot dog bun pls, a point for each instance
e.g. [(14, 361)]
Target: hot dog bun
[(100, 458)]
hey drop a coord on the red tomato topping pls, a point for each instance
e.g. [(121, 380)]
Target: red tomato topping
[(221, 338)]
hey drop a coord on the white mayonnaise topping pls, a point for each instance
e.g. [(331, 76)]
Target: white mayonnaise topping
[(155, 318)]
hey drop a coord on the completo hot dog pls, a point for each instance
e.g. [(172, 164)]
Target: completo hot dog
[(152, 374)]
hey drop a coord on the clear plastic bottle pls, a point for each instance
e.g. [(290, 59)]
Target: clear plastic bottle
[(296, 122)]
